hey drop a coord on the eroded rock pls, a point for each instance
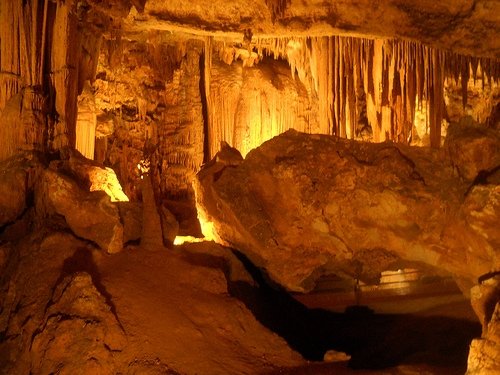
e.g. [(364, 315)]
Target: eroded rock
[(302, 205), (169, 225), (17, 177), (473, 149), (79, 334), (90, 215)]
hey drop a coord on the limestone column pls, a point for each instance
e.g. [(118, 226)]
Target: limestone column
[(152, 235)]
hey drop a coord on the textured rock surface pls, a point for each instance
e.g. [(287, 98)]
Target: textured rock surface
[(79, 332), (468, 26), (12, 194), (484, 355), (301, 206), (65, 307), (17, 177), (131, 215), (473, 149), (52, 316), (90, 215)]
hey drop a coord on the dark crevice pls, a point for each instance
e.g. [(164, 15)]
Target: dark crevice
[(374, 341), (483, 178)]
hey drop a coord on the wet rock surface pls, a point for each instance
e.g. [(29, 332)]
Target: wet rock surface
[(302, 205)]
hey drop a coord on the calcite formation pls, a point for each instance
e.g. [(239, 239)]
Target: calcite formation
[(300, 206), (125, 81)]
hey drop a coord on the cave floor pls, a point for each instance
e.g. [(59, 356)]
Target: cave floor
[(179, 311)]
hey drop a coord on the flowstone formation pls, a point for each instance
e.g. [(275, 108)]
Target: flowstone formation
[(301, 206)]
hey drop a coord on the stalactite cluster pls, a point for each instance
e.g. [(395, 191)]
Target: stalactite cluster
[(248, 106), (21, 65), (393, 74), (180, 131)]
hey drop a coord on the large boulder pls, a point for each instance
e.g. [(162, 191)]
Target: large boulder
[(90, 215), (303, 205), (93, 175)]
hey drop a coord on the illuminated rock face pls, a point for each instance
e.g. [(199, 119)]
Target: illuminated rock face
[(301, 206), (90, 215), (484, 355)]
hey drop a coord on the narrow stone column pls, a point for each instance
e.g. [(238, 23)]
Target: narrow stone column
[(152, 236)]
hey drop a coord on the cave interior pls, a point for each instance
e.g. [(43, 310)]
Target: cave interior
[(249, 187)]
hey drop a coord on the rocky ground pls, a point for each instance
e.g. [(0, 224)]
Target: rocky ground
[(81, 293)]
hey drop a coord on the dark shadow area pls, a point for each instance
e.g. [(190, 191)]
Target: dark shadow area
[(374, 341), (82, 261)]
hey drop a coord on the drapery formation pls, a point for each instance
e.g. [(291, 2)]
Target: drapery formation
[(393, 74), (356, 81), (45, 59)]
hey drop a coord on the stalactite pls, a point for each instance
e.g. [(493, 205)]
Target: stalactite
[(208, 120), (394, 75)]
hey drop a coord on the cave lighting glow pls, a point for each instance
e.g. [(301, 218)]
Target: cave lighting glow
[(104, 179)]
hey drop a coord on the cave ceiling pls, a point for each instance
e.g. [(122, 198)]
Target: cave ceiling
[(463, 26)]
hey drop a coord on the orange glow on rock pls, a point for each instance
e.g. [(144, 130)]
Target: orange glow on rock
[(105, 179)]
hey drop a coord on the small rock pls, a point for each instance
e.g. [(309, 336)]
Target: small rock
[(335, 356), (169, 225)]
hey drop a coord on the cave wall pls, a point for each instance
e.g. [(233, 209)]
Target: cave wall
[(149, 92), (187, 92), (186, 95), (48, 50)]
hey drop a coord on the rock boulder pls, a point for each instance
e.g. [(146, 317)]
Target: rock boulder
[(300, 206), (90, 215)]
